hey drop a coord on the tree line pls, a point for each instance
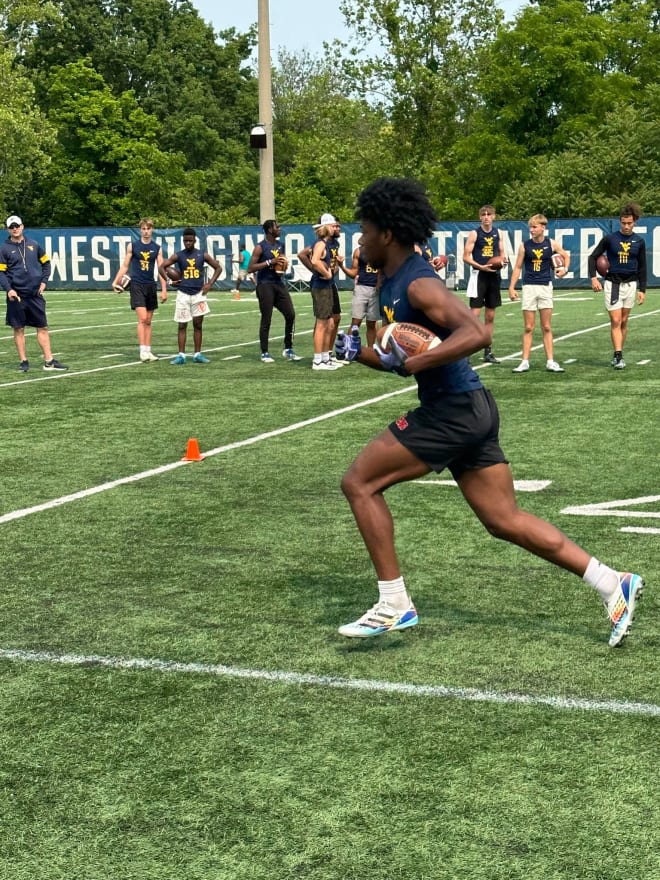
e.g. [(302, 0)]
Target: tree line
[(111, 110)]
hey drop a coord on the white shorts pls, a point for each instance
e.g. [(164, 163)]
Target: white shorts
[(536, 297), (242, 274), (189, 306), (627, 295), (365, 303)]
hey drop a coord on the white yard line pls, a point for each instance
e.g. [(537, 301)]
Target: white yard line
[(154, 472), (432, 691)]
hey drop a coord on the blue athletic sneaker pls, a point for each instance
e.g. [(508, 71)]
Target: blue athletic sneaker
[(200, 359), (179, 360), (621, 607), (378, 620), (289, 355)]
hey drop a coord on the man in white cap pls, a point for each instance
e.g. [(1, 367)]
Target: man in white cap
[(24, 273)]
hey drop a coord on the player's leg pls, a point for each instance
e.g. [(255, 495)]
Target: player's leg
[(181, 335), (615, 329), (382, 463), (43, 338), (490, 493), (142, 323), (545, 319), (19, 342), (266, 299), (284, 304), (529, 323), (624, 326)]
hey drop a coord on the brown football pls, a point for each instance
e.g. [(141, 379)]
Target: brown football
[(495, 262), (557, 261), (413, 338), (173, 274), (603, 265)]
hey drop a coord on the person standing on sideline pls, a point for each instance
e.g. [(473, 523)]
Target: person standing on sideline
[(364, 303), (191, 302), (243, 263), (272, 292), (24, 273), (141, 260), (455, 426), (626, 277), (484, 292), (534, 260), (323, 262)]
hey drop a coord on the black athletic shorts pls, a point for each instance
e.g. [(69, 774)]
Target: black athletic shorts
[(144, 296), (459, 432), (29, 312), (489, 293)]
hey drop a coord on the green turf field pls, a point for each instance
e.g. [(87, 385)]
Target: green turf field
[(176, 702)]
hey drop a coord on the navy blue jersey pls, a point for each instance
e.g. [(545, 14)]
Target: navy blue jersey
[(486, 246), (191, 266), (537, 265), (270, 250), (367, 275), (427, 253), (626, 255), (330, 259), (143, 261), (454, 378), (23, 266)]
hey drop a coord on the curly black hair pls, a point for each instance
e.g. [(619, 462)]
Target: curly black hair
[(399, 205)]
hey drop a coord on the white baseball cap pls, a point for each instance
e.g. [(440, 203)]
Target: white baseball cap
[(14, 219), (325, 220)]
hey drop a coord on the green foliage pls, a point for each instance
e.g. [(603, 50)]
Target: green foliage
[(479, 108), (26, 138), (619, 163), (106, 161), (160, 77), (326, 143)]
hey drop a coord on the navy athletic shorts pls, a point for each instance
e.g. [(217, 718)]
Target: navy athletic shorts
[(458, 431), (29, 312), (144, 296), (489, 293)]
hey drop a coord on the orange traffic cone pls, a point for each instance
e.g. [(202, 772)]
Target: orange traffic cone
[(192, 451), (237, 295)]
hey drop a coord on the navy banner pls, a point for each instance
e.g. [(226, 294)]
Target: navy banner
[(88, 259)]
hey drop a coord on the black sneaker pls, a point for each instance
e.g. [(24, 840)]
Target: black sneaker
[(24, 366), (53, 364), (490, 358)]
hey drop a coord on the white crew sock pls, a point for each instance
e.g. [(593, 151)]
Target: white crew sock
[(394, 593), (602, 578)]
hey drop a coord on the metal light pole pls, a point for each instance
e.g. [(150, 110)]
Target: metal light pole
[(266, 165)]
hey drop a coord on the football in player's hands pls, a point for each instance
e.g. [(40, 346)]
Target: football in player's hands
[(558, 263), (602, 265), (496, 262), (411, 338)]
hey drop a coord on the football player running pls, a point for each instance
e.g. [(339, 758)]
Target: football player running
[(456, 425)]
